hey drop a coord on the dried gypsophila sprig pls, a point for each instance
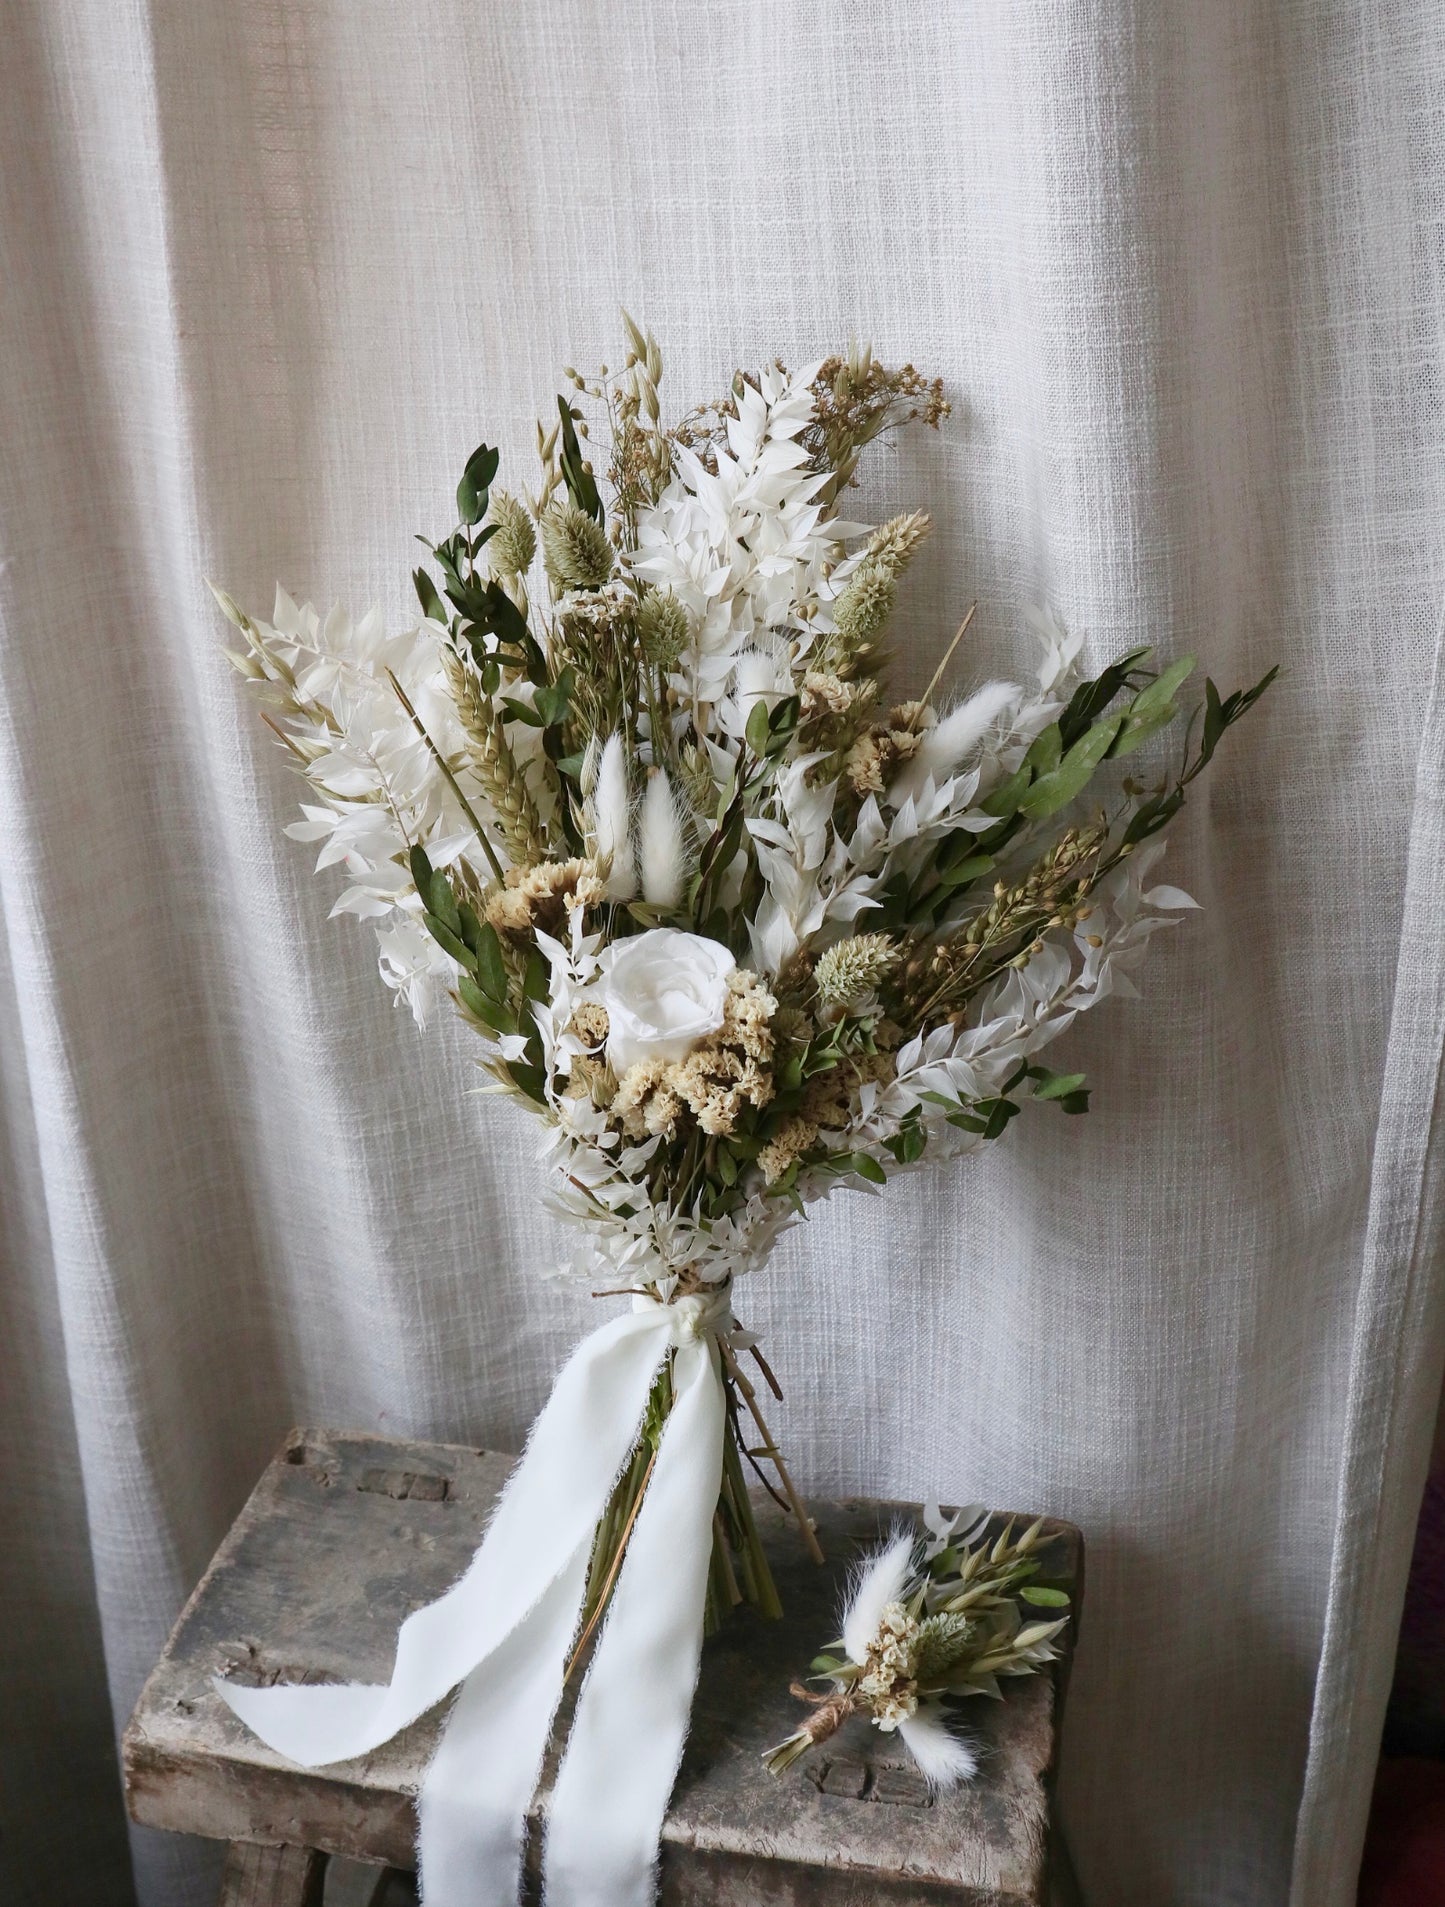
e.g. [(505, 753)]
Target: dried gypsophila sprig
[(925, 1625)]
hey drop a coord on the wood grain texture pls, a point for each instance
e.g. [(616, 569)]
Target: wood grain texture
[(272, 1876), (345, 1535)]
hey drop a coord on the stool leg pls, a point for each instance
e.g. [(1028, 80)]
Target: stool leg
[(272, 1876)]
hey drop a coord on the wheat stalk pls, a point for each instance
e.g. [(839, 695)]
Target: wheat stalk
[(496, 767)]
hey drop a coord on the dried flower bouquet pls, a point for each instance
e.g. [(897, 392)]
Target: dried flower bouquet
[(735, 925)]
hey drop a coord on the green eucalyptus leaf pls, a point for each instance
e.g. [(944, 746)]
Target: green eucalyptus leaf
[(420, 872), (1055, 1085), (1073, 774), (536, 978), (1214, 720), (1163, 688), (442, 902), (529, 1080), (908, 1145), (481, 468), (782, 725), (756, 732), (473, 999), (581, 486), (996, 1115), (1152, 815), (553, 698), (490, 1012), (490, 968), (1046, 750), (444, 937), (866, 1167), (971, 869), (1006, 798), (432, 606), (1137, 730), (470, 927), (1090, 699)]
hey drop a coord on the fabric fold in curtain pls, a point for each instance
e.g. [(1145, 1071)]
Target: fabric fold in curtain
[(268, 275), (1396, 1361)]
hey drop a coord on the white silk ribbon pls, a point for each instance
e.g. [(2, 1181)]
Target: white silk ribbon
[(506, 1627)]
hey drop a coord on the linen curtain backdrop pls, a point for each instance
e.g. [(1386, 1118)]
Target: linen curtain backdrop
[(269, 273)]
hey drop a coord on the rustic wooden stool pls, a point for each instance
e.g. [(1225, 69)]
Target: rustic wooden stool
[(346, 1535)]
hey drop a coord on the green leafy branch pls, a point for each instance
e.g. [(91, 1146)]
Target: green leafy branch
[(494, 996)]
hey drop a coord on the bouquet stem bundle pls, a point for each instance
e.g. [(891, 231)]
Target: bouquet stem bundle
[(739, 1570)]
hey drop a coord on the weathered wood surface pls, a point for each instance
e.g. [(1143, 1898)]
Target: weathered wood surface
[(345, 1535), (272, 1876)]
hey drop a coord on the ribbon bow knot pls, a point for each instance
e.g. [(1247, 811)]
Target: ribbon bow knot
[(694, 1316)]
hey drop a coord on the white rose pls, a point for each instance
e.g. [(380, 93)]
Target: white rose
[(664, 991)]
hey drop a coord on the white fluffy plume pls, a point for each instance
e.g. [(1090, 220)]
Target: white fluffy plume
[(664, 854), (881, 1580), (944, 1758), (612, 820), (944, 746)]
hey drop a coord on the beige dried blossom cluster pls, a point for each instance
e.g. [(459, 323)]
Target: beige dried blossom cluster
[(543, 897), (825, 694), (888, 1684), (829, 1105), (882, 749), (730, 1069), (857, 399)]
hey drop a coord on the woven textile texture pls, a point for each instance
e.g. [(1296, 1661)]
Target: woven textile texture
[(268, 274)]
